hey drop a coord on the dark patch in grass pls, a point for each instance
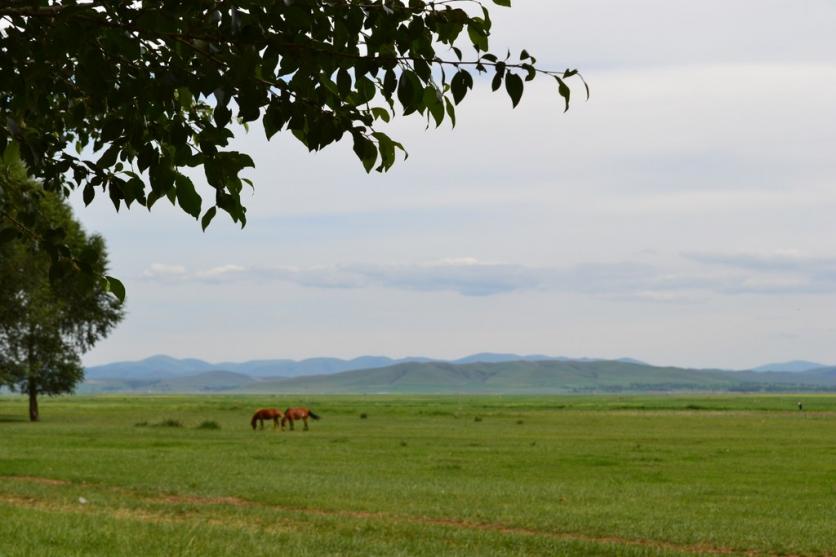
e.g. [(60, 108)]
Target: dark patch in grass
[(13, 419), (436, 413), (340, 440), (209, 424), (141, 424), (169, 423), (447, 467), (601, 462), (403, 443), (477, 419), (696, 407), (363, 416), (520, 422)]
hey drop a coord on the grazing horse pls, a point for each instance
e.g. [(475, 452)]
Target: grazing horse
[(267, 414), (300, 413)]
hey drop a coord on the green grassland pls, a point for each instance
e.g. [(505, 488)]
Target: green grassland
[(421, 475)]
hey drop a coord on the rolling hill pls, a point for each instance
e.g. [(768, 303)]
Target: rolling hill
[(162, 367), (504, 377), (792, 366)]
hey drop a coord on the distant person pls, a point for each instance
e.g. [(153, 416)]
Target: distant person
[(800, 406)]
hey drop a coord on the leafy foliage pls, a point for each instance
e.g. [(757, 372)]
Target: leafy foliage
[(145, 90), (46, 323)]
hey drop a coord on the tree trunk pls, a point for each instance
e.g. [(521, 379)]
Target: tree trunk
[(34, 416)]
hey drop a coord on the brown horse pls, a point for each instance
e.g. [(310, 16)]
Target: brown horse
[(299, 413), (267, 414)]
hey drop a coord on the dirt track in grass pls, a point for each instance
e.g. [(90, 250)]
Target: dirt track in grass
[(162, 516)]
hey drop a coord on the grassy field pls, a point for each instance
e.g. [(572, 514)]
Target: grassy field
[(421, 476)]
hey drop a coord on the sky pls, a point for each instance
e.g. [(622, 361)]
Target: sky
[(683, 215)]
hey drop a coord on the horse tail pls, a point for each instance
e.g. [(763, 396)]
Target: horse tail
[(254, 420), (312, 415)]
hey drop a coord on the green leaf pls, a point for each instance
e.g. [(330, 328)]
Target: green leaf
[(274, 119), (11, 154), (116, 287), (514, 87), (343, 82), (477, 34), (381, 113), (496, 82), (207, 218), (187, 197), (451, 111), (365, 150), (459, 85), (387, 150), (184, 96), (410, 91), (434, 104), (88, 194), (564, 91)]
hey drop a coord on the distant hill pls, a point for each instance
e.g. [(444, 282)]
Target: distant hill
[(206, 382), (547, 377), (506, 377), (479, 373), (794, 366), (155, 367), (490, 357), (162, 367), (515, 377)]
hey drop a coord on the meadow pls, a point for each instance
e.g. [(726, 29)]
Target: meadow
[(413, 475)]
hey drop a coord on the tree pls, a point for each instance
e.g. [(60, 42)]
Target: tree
[(46, 324), (144, 90)]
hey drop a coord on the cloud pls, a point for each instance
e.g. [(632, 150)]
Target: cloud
[(779, 272), (163, 272), (778, 260), (219, 273), (772, 272), (467, 276)]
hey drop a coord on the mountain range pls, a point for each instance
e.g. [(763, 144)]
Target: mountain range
[(479, 373), (166, 367)]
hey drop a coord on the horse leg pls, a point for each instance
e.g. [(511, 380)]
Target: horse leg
[(305, 420), (291, 423)]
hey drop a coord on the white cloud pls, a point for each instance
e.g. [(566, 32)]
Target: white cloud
[(782, 272), (161, 271), (217, 273)]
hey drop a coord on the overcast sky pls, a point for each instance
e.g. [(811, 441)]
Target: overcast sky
[(684, 215)]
